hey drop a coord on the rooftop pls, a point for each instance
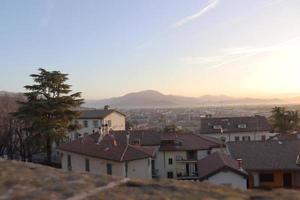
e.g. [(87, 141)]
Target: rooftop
[(109, 149), (216, 162), (234, 124), (97, 114), (266, 155)]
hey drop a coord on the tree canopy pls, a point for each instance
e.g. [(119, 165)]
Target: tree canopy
[(50, 107), (283, 120)]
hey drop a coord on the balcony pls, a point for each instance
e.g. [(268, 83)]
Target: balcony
[(185, 176), (187, 159)]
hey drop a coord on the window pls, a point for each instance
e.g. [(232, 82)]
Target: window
[(237, 138), (192, 155), (86, 123), (246, 138), (242, 125), (170, 161), (109, 123), (87, 165), (109, 169), (96, 123), (170, 175), (266, 177), (69, 163), (76, 122), (136, 141), (263, 137)]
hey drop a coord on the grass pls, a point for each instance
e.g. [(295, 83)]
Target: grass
[(29, 181), (20, 180)]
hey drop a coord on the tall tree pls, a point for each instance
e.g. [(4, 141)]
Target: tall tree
[(284, 121), (49, 108)]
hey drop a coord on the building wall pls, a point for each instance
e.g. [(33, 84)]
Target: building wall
[(202, 154), (86, 130), (140, 169), (97, 166), (229, 178), (256, 136), (254, 181), (162, 162), (117, 121)]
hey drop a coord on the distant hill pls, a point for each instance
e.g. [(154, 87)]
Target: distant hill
[(153, 99), (20, 180)]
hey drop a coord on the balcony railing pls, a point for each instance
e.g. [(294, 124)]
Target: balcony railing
[(188, 159), (184, 176)]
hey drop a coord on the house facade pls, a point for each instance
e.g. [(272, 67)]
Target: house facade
[(254, 128), (178, 155), (108, 156), (148, 154), (270, 164), (220, 169), (91, 121)]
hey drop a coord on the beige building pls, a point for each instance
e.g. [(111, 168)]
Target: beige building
[(91, 121)]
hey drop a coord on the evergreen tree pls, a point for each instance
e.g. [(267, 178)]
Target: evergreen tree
[(284, 121), (49, 108)]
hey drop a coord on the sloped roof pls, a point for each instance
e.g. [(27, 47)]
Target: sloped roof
[(108, 149), (217, 162), (266, 155), (145, 137), (230, 124), (97, 114), (286, 136), (187, 141)]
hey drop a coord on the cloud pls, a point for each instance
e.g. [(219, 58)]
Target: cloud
[(233, 55), (210, 5)]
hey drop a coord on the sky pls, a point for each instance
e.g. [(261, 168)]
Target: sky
[(191, 47)]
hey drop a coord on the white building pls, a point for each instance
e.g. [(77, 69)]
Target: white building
[(143, 154), (90, 121), (107, 157), (220, 169), (227, 129)]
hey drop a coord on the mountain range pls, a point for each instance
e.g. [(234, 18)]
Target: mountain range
[(155, 99)]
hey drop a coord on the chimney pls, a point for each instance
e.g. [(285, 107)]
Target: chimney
[(127, 138), (240, 163), (106, 107)]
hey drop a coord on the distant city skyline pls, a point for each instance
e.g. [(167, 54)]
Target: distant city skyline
[(189, 48)]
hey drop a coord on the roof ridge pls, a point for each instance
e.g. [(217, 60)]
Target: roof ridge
[(205, 138), (122, 157)]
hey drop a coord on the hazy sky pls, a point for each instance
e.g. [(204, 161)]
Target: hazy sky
[(190, 47)]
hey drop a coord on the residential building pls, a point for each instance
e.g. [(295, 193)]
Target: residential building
[(270, 164), (219, 168), (107, 156), (91, 121), (237, 128), (179, 153), (151, 154)]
